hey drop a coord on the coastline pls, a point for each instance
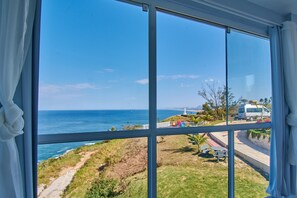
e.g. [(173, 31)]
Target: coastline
[(71, 121)]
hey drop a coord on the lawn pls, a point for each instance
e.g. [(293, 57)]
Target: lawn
[(175, 181), (181, 172)]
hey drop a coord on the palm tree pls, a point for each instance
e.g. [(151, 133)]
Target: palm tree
[(198, 140), (112, 128), (196, 120)]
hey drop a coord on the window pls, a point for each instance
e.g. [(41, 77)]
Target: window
[(136, 100), (253, 110), (241, 110)]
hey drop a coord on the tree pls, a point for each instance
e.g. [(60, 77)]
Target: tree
[(242, 101), (196, 120), (216, 97), (266, 102), (198, 140), (113, 129), (232, 103), (213, 95), (206, 107), (208, 112)]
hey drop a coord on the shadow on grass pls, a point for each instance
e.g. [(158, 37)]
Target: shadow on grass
[(216, 161), (184, 149), (211, 158), (205, 155)]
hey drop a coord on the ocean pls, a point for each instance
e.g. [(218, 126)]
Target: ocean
[(54, 122)]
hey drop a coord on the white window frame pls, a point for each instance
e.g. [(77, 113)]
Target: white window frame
[(153, 132)]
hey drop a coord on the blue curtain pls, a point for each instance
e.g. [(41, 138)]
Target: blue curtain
[(282, 178), (26, 97)]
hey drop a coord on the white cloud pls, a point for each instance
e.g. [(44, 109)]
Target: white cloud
[(105, 70), (143, 81), (46, 89), (209, 80), (183, 85), (168, 77), (80, 86), (49, 88), (178, 76)]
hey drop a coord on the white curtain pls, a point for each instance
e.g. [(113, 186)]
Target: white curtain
[(280, 170), (16, 22), (289, 38)]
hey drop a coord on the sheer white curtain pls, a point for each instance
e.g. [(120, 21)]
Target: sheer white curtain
[(16, 21), (279, 178), (289, 38)]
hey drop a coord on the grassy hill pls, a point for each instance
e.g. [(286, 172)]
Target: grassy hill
[(118, 168)]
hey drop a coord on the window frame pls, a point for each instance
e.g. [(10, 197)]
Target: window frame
[(152, 7)]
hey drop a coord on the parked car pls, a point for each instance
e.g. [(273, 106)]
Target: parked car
[(252, 112)]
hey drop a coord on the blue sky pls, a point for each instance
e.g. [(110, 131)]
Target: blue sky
[(94, 55)]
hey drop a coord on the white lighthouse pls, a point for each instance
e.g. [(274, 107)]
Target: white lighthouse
[(185, 111)]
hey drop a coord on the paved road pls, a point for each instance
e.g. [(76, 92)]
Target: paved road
[(244, 148), (255, 155)]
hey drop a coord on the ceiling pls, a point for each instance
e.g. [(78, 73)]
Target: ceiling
[(282, 7), (270, 12)]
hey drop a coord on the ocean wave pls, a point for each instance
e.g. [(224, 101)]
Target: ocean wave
[(88, 144), (61, 151), (68, 151)]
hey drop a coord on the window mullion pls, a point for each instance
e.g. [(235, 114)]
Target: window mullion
[(152, 143), (230, 132), (231, 164)]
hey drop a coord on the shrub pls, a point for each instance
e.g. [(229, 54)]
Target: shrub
[(198, 140), (257, 133), (109, 161), (102, 188), (132, 127)]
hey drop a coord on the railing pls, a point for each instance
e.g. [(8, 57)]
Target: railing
[(152, 135)]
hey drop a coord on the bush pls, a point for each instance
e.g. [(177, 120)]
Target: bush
[(102, 188), (257, 133), (109, 161)]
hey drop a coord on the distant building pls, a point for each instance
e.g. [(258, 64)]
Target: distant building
[(185, 111)]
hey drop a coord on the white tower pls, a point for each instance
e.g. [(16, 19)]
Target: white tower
[(185, 111)]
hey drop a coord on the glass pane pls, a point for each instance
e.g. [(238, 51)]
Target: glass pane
[(252, 148), (94, 169), (193, 165), (93, 62), (190, 72), (249, 78)]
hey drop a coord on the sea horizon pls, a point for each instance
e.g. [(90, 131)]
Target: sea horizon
[(79, 121)]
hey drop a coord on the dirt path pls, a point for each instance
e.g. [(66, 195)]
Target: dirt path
[(133, 161), (57, 187)]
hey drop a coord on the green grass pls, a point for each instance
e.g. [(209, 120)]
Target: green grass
[(51, 168), (84, 177), (215, 122), (180, 181), (181, 173), (175, 118), (137, 186)]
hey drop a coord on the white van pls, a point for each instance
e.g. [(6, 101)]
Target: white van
[(252, 112)]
